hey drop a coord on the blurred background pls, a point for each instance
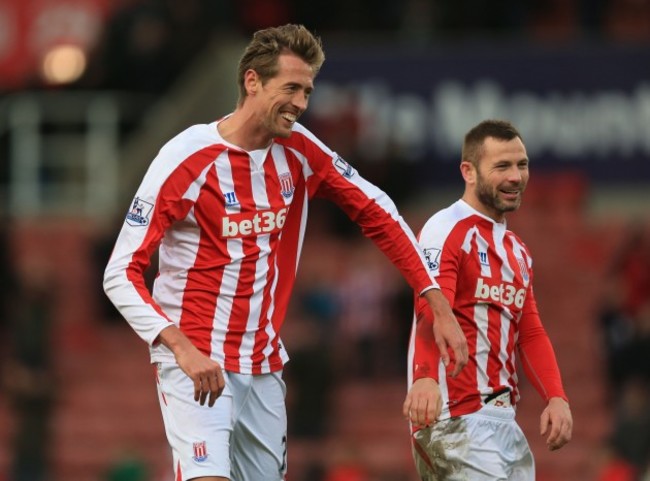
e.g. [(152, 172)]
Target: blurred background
[(90, 90)]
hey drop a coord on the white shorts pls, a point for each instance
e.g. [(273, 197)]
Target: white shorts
[(487, 445), (242, 437)]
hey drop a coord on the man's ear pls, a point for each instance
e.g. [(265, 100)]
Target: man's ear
[(468, 172), (251, 81)]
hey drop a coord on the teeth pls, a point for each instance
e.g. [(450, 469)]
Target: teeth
[(289, 117)]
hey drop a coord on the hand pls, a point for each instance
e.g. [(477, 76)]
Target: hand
[(423, 403), (447, 332), (557, 417), (204, 372)]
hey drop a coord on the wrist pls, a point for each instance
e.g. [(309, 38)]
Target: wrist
[(172, 338), (426, 380), (437, 302), (562, 398), (424, 371)]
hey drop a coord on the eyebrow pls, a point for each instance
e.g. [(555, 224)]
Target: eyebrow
[(298, 84)]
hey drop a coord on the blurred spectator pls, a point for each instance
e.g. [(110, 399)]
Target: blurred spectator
[(631, 264), (28, 373), (309, 337), (627, 20), (483, 17), (135, 53), (195, 23), (631, 362), (418, 21), (309, 377), (149, 43), (366, 292), (257, 14), (592, 16), (315, 471), (625, 307), (628, 447), (625, 320)]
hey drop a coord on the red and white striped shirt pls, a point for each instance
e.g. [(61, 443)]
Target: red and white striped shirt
[(485, 272), (229, 226)]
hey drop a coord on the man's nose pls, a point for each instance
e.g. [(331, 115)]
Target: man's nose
[(300, 100), (515, 175)]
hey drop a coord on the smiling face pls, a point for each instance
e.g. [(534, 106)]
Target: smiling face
[(495, 184), (280, 100)]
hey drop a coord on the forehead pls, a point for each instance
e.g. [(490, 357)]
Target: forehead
[(496, 149), (292, 68)]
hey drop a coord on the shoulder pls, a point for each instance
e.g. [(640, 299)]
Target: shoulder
[(517, 241), (453, 221), (192, 138), (190, 149), (303, 141)]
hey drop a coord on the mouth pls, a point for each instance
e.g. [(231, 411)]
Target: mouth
[(289, 117), (510, 194)]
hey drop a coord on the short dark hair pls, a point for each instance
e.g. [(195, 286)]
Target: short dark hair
[(475, 138), (263, 51)]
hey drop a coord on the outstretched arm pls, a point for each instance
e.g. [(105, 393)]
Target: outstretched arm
[(447, 332), (423, 402)]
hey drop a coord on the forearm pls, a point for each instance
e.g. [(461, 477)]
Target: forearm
[(380, 221), (426, 354), (136, 305), (541, 368), (174, 339), (438, 303)]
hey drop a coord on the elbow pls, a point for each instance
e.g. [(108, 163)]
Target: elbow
[(108, 282)]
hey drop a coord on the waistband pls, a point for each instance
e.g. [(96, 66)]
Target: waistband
[(499, 399), (506, 413)]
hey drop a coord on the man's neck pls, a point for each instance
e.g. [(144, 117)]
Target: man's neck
[(475, 204), (244, 130)]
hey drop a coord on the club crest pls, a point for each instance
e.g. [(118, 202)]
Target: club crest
[(523, 268), (286, 185), (200, 452)]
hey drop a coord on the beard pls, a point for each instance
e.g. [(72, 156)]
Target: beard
[(490, 198)]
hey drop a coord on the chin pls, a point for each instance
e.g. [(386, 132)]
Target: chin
[(511, 207), (284, 133)]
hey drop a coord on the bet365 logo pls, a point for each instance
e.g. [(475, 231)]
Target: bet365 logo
[(253, 223), (506, 294)]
